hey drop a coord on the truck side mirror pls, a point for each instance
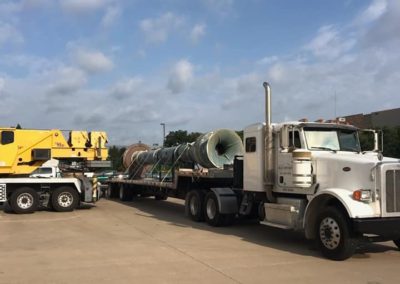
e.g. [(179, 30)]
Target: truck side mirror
[(369, 140)]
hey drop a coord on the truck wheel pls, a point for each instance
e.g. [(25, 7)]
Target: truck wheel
[(125, 193), (194, 205), (212, 212), (333, 235), (24, 200), (64, 199)]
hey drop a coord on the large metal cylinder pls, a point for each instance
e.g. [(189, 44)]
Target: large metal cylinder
[(211, 150)]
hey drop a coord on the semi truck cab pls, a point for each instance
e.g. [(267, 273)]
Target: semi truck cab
[(314, 176)]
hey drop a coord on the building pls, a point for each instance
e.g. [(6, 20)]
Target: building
[(378, 119)]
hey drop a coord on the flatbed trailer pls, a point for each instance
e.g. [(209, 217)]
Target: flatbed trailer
[(181, 181), (190, 185)]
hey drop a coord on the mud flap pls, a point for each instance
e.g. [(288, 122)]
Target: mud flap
[(227, 200), (87, 189)]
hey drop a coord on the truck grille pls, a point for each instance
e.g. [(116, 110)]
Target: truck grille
[(392, 191), (3, 193)]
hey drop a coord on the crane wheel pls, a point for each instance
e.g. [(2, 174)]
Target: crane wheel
[(24, 200), (64, 199)]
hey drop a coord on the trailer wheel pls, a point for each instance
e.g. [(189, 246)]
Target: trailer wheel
[(111, 191), (24, 200), (212, 212), (160, 196), (64, 199), (194, 205), (333, 235), (125, 193)]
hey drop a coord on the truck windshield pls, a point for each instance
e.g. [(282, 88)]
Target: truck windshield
[(332, 139)]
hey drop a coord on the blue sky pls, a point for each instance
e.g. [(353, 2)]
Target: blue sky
[(126, 66)]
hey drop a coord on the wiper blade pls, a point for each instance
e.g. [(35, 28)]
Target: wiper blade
[(324, 148), (350, 149)]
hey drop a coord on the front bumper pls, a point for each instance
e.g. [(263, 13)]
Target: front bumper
[(385, 227)]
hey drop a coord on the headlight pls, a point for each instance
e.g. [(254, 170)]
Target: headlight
[(362, 195)]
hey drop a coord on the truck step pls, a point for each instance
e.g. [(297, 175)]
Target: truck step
[(276, 225)]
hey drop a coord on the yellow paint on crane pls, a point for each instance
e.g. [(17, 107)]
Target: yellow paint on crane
[(24, 150)]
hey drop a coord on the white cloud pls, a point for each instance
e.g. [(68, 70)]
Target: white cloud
[(9, 34), (373, 12), (180, 76), (222, 7), (329, 43), (268, 60), (111, 15), (386, 28), (157, 30), (126, 87), (198, 31), (91, 60), (66, 80), (79, 6)]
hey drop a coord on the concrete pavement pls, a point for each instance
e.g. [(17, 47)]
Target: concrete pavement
[(148, 241)]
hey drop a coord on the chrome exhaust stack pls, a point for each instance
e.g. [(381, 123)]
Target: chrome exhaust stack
[(269, 172)]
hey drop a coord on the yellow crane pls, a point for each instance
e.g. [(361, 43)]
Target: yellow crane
[(24, 150)]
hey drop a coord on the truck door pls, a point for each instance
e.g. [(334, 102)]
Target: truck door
[(290, 140)]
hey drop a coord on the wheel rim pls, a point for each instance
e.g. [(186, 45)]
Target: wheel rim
[(25, 200), (211, 209), (194, 206), (329, 233), (65, 199)]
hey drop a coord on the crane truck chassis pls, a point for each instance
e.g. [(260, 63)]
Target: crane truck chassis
[(22, 151), (304, 176)]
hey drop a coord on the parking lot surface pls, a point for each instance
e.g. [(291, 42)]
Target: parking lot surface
[(148, 241)]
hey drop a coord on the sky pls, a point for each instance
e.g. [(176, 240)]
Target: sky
[(126, 66)]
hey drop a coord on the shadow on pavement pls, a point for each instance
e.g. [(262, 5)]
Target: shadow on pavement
[(247, 230), (6, 207)]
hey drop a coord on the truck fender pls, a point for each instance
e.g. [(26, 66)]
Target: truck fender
[(334, 197), (86, 189), (227, 200)]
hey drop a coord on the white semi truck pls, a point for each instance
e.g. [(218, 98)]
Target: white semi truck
[(306, 176)]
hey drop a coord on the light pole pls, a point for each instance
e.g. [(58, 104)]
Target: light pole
[(163, 125)]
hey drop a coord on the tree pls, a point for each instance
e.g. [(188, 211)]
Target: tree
[(240, 133), (180, 137), (115, 156), (391, 141)]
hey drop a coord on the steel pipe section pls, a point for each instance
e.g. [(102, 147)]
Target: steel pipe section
[(211, 150)]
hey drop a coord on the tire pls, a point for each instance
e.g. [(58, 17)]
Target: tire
[(212, 212), (64, 199), (194, 203), (111, 191), (161, 196), (125, 193), (397, 243), (24, 200), (334, 235)]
